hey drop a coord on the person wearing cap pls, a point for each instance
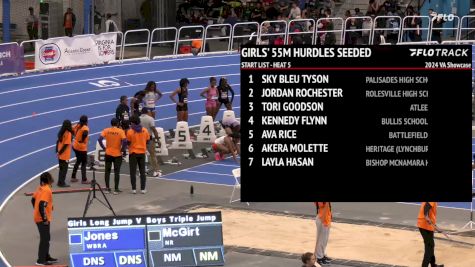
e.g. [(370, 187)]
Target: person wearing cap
[(137, 137), (81, 140), (426, 221), (116, 145), (32, 24), (42, 202), (147, 121), (182, 103)]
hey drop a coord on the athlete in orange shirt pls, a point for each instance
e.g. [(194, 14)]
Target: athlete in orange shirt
[(115, 147), (137, 137), (426, 221), (81, 140), (323, 221), (42, 202), (63, 151)]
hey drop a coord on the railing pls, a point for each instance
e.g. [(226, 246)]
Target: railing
[(471, 30), (405, 29), (354, 29), (325, 32), (377, 29), (306, 31), (271, 25), (246, 26), (252, 32), (160, 30), (456, 21), (226, 27), (179, 40), (147, 44)]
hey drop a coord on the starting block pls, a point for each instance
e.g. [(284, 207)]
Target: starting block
[(182, 137), (207, 133), (228, 115), (161, 150)]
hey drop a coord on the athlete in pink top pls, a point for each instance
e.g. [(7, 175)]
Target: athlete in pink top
[(211, 95)]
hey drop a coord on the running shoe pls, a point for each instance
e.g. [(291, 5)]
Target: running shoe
[(51, 259), (43, 263)]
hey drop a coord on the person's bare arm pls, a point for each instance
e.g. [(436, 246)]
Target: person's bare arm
[(172, 96), (202, 94)]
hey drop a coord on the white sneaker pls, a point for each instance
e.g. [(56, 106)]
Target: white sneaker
[(134, 191), (156, 174), (144, 191)]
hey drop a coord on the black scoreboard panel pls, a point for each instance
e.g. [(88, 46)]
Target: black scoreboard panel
[(364, 123), (189, 239)]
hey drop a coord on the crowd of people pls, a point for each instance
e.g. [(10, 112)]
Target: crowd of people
[(133, 129), (321, 11)]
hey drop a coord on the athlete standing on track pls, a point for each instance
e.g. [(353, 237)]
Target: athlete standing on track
[(211, 95), (152, 95), (42, 202), (323, 221), (81, 140), (122, 113), (136, 103), (138, 137), (223, 94), (63, 151), (116, 144), (182, 104), (426, 222)]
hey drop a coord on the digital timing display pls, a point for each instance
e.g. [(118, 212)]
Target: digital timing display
[(191, 239)]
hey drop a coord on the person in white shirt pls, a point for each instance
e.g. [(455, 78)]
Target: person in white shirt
[(295, 11), (111, 26)]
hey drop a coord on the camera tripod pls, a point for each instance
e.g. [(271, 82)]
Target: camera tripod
[(92, 194)]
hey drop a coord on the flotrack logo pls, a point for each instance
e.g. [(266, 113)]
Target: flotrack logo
[(438, 52), (445, 17)]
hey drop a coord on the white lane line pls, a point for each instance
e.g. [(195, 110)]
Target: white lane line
[(227, 165), (90, 119), (44, 148), (128, 83), (122, 75), (115, 66), (211, 173), (86, 105), (91, 91), (113, 78)]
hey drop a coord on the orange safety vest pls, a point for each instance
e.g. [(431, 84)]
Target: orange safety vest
[(421, 219), (324, 212)]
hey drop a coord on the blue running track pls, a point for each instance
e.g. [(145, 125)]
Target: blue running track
[(34, 106)]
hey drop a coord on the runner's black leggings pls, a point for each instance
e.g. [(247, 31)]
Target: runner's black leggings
[(81, 159)]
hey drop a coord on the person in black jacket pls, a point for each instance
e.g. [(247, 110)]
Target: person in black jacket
[(223, 94), (122, 113)]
